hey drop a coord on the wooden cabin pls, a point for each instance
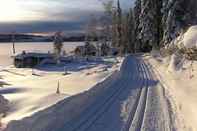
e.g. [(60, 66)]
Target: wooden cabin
[(29, 60)]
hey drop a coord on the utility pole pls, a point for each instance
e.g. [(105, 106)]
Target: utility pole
[(13, 43)]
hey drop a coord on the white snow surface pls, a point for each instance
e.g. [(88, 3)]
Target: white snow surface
[(190, 37), (130, 99), (179, 77), (29, 93)]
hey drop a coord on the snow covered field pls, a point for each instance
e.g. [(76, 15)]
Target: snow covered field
[(29, 93), (148, 93), (130, 99)]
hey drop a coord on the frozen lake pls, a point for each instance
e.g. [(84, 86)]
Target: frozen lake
[(6, 49)]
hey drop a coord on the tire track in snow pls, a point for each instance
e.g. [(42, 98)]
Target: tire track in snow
[(168, 113), (107, 103), (146, 113), (156, 113), (140, 110), (124, 86), (134, 109), (137, 81), (90, 118)]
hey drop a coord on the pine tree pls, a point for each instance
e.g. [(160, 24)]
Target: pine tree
[(148, 24), (137, 28), (159, 22), (130, 31), (178, 15), (127, 32), (114, 25), (119, 28)]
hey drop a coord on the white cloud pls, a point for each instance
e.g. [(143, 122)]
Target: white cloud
[(27, 10), (21, 15)]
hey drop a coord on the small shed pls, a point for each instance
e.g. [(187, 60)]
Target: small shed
[(29, 60)]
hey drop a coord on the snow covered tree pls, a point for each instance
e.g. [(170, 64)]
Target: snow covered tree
[(149, 23), (58, 45), (125, 34), (119, 43), (178, 15), (159, 22), (131, 31), (128, 32), (108, 22), (137, 12)]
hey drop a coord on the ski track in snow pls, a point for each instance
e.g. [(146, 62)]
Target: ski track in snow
[(147, 112), (133, 100)]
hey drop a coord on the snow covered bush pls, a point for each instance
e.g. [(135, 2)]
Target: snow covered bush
[(190, 37), (185, 44), (190, 43)]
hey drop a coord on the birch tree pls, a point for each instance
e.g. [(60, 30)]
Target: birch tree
[(58, 45)]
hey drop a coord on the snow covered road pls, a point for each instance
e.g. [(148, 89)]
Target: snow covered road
[(132, 99), (134, 102)]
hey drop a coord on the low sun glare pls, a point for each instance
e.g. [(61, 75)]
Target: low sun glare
[(13, 10)]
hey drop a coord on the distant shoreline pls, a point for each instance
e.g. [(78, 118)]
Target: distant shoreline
[(38, 38), (18, 42)]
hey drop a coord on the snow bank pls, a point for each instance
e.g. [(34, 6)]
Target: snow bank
[(155, 53), (190, 37), (175, 63), (181, 86)]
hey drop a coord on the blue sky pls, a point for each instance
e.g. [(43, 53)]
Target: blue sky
[(28, 16)]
